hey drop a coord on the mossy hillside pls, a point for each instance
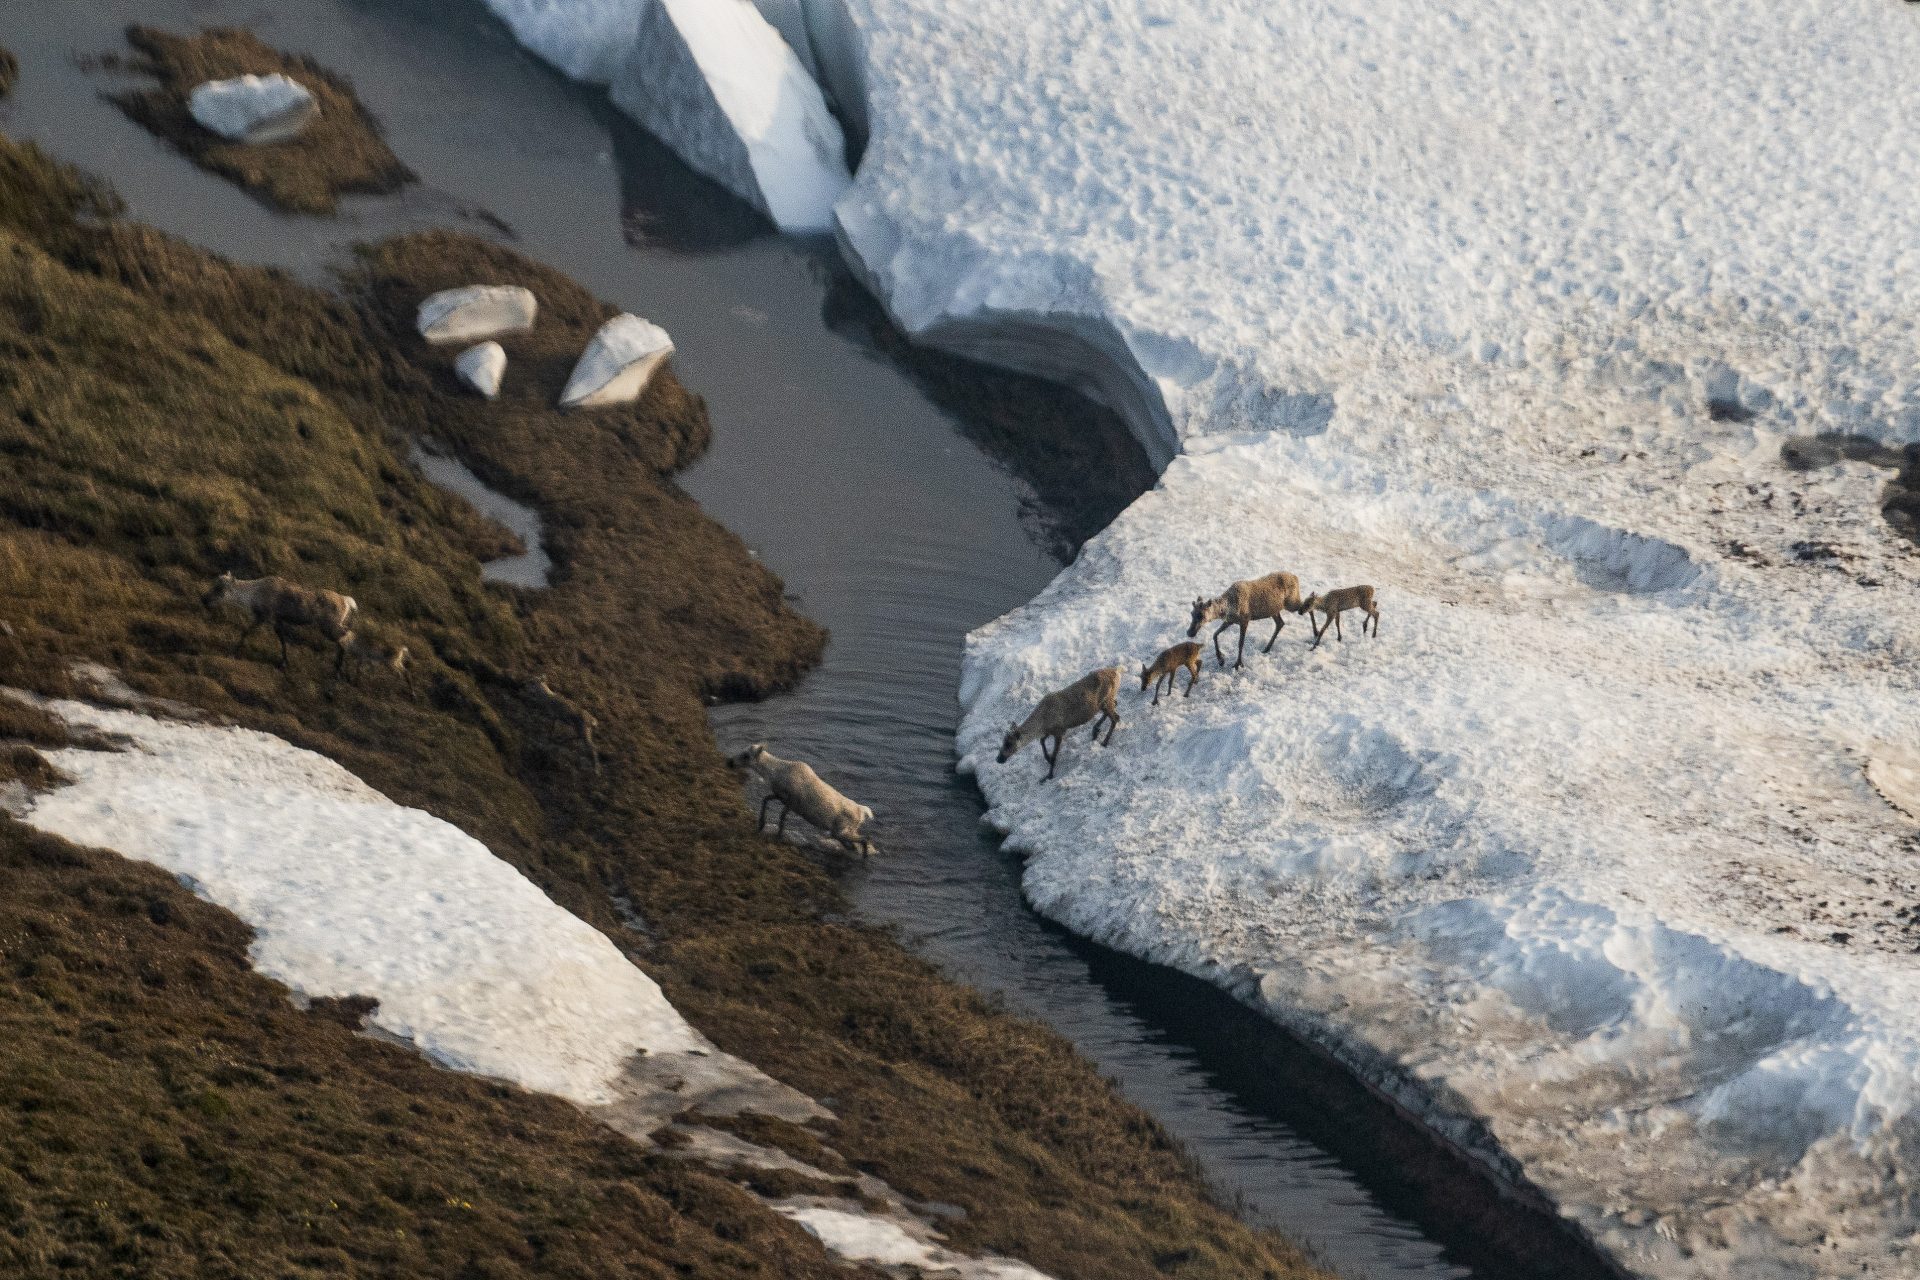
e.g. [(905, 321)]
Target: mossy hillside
[(654, 608)]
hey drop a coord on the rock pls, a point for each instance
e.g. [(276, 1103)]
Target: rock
[(254, 109), (476, 311), (481, 368), (617, 364)]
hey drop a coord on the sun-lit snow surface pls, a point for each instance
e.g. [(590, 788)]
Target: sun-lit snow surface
[(1505, 309), (715, 81), (351, 894), (860, 1235)]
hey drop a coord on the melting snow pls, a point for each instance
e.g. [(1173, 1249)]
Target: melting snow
[(349, 893), (1505, 310), (531, 568), (889, 1241)]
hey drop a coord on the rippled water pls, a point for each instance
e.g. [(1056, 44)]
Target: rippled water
[(887, 524)]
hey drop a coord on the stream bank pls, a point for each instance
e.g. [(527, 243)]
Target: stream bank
[(870, 498)]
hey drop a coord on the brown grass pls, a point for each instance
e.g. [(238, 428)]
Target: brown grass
[(9, 71), (340, 153), (164, 415)]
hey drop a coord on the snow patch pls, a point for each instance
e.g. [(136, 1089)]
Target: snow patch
[(533, 567), (890, 1241), (349, 893)]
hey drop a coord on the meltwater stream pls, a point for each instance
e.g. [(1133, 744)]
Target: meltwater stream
[(888, 525)]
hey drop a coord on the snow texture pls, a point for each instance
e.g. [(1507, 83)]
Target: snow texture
[(617, 364), (476, 311), (351, 894), (253, 109), (481, 367), (533, 567), (886, 1240), (715, 81), (1507, 310)]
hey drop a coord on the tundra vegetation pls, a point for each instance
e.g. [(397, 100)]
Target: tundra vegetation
[(167, 1112), (340, 153)]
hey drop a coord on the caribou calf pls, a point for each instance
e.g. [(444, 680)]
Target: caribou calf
[(1334, 603), (1166, 669)]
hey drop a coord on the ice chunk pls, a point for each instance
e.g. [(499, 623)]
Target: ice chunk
[(717, 82), (481, 367), (254, 109), (789, 18), (476, 311), (589, 40), (720, 86), (617, 364)]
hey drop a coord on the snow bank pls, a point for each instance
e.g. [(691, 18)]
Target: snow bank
[(715, 81), (351, 894), (1506, 310)]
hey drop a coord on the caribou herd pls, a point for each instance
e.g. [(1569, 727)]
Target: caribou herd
[(284, 605), (1094, 696)]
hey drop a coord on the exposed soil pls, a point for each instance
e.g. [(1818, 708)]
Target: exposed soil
[(164, 416), (340, 153), (1900, 503)]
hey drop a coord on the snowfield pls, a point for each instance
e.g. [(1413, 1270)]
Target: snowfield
[(1603, 855), (349, 893)]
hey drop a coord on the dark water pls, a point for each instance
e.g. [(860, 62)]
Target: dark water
[(887, 523)]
